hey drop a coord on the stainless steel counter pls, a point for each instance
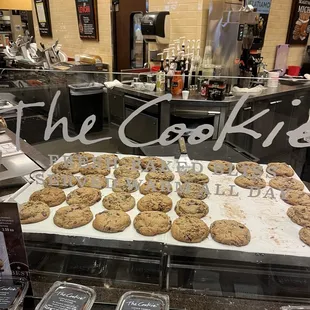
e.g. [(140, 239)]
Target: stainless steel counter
[(268, 92)]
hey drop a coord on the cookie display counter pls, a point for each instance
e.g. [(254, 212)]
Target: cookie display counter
[(275, 257), (270, 272)]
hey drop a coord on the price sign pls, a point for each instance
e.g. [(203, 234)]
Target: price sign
[(13, 259)]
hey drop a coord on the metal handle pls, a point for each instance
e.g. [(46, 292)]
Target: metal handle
[(182, 146), (275, 102), (248, 108)]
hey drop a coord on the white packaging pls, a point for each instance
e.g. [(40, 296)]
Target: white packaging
[(273, 80)]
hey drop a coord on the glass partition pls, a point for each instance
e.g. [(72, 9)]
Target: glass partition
[(239, 179)]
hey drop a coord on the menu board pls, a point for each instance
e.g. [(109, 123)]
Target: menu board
[(43, 16), (13, 260), (298, 29), (87, 19)]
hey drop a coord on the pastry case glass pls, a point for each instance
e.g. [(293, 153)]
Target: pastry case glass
[(203, 199)]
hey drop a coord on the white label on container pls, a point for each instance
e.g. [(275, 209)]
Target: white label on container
[(8, 295), (66, 299), (142, 304)]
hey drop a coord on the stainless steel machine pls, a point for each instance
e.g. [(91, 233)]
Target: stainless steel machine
[(234, 37)]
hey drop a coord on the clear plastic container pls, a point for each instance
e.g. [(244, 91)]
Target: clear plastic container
[(12, 292), (143, 301), (63, 295)]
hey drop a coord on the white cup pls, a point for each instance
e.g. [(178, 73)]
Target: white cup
[(273, 79), (77, 58), (185, 94)]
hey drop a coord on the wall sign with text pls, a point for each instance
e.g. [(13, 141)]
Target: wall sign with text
[(44, 18), (87, 19), (298, 29)]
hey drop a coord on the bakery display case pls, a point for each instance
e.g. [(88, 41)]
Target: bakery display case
[(228, 234)]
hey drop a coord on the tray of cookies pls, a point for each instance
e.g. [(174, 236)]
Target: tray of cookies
[(217, 205)]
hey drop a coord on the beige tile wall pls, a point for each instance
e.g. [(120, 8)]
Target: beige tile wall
[(65, 28), (276, 33)]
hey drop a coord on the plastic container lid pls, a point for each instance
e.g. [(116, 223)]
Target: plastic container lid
[(64, 295), (12, 292), (143, 301)]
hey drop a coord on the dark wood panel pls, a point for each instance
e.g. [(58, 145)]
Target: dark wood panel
[(122, 30)]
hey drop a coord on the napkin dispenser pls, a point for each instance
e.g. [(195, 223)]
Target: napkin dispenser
[(155, 27)]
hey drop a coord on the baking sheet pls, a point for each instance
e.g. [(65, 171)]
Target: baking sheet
[(272, 232)]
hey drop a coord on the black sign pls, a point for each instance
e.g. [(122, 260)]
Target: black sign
[(142, 304), (13, 260), (67, 299), (87, 18), (43, 16), (298, 30)]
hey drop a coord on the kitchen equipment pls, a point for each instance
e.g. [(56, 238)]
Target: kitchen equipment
[(184, 161), (293, 70), (155, 27), (235, 35)]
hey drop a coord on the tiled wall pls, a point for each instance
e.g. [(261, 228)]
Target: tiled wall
[(276, 33), (65, 28)]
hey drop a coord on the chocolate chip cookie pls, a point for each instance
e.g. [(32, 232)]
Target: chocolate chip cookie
[(52, 196), (126, 185), (156, 186), (155, 202), (119, 201), (221, 166), (191, 207), (73, 216), (250, 168), (93, 180), (285, 183), (160, 175), (192, 190), (295, 198), (189, 229), (34, 212), (194, 177), (250, 181), (126, 172), (299, 215), (95, 169), (153, 164), (84, 196), (131, 161), (304, 235), (112, 221), (152, 223), (66, 168), (110, 160), (230, 232), (280, 170), (81, 157), (60, 180)]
